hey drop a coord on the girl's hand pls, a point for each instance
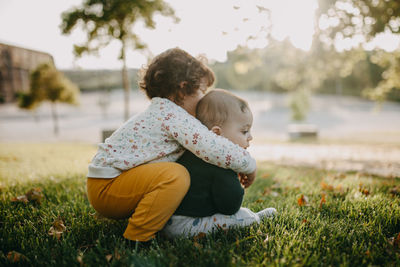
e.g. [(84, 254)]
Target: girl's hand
[(247, 179)]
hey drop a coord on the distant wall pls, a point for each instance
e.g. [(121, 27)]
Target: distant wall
[(16, 64)]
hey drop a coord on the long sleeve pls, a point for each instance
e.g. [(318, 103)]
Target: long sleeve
[(202, 142), (161, 133)]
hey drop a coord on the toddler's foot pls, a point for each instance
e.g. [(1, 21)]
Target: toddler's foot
[(267, 213)]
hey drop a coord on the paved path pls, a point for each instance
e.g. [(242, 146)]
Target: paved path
[(377, 159), (354, 135)]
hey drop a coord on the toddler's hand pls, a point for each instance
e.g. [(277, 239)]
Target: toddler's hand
[(247, 179)]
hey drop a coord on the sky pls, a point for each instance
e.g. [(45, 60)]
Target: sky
[(206, 27)]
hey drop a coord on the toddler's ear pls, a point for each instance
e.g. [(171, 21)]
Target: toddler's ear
[(217, 130)]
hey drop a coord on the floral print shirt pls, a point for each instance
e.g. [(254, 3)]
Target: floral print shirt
[(162, 133)]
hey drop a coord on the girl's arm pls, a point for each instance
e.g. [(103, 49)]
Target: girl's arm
[(202, 142)]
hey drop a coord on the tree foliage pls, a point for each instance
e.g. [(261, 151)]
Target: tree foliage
[(107, 20), (48, 84), (344, 19)]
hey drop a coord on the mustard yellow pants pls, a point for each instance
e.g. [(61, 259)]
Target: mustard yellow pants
[(148, 195)]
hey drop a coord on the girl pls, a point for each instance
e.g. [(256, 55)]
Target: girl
[(134, 174)]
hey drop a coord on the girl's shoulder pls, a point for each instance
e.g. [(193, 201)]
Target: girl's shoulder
[(168, 107)]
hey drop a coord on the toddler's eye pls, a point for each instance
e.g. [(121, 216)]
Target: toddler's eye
[(245, 132)]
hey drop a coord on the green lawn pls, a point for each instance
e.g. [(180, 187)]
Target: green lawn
[(350, 219)]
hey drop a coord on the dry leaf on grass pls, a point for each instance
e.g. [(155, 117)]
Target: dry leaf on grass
[(109, 257), (14, 257), (395, 191), (22, 199), (79, 258), (34, 195), (57, 229), (364, 190), (323, 200), (199, 236), (302, 201), (395, 241), (305, 221), (326, 186)]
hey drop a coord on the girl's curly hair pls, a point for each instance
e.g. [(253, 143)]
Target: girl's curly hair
[(174, 74)]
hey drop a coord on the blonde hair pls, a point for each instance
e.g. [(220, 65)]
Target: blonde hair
[(218, 106)]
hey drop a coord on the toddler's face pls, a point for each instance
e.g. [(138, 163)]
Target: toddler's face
[(238, 128)]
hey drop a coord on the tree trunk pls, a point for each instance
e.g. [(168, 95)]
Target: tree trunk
[(55, 118), (125, 81)]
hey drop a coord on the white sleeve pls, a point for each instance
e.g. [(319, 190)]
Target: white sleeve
[(205, 144)]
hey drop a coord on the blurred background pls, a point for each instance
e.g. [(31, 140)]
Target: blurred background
[(322, 76)]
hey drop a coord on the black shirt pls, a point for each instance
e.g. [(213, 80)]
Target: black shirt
[(212, 189)]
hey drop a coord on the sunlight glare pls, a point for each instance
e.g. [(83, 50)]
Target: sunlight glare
[(295, 23)]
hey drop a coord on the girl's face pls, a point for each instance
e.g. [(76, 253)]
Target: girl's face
[(189, 102)]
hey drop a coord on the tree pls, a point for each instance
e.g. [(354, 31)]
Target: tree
[(345, 19), (107, 20), (48, 84)]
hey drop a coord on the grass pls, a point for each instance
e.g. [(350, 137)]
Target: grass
[(356, 224)]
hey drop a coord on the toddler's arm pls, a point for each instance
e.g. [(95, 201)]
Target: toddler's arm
[(202, 142)]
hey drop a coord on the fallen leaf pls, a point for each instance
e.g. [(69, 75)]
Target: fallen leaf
[(35, 195), (197, 245), (267, 190), (302, 201), (57, 229), (323, 201), (109, 257), (339, 188), (14, 257), (117, 255), (395, 191), (396, 242), (326, 187), (79, 258), (363, 190), (199, 236), (22, 199)]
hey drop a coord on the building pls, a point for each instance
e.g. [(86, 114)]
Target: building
[(16, 64)]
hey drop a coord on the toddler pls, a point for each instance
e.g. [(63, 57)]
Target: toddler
[(215, 194)]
